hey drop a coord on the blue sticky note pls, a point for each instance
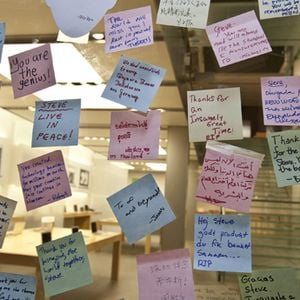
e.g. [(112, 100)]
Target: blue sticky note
[(56, 123), (141, 208), (285, 152), (17, 286), (2, 37), (222, 243), (134, 83)]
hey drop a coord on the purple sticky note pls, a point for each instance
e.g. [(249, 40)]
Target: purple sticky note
[(166, 275), (31, 71), (44, 180), (134, 136), (237, 39), (281, 98), (228, 176), (128, 29)]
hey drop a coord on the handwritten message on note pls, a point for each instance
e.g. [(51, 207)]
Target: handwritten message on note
[(134, 136), (281, 100), (217, 292), (76, 18), (2, 37), (128, 29), (237, 39), (44, 180), (56, 123), (210, 114), (228, 176), (31, 71), (278, 8), (64, 264), (17, 286), (285, 152), (182, 13), (7, 208), (281, 284), (134, 83), (166, 275), (141, 208), (222, 243)]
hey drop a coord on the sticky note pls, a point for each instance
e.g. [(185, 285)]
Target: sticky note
[(190, 14), (280, 98), (278, 8), (64, 264), (128, 29), (44, 180), (222, 243), (133, 83), (284, 147), (31, 71), (2, 37), (237, 39), (56, 123), (7, 208), (75, 17), (217, 292), (210, 115), (134, 136), (228, 176), (281, 283), (165, 275), (17, 286), (141, 208)]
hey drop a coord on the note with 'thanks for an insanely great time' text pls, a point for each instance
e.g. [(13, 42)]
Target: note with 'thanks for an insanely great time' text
[(210, 115), (128, 29), (141, 208), (228, 176), (166, 275), (56, 123), (31, 71), (237, 39), (222, 243), (134, 136), (285, 152), (134, 83), (44, 180), (277, 284), (64, 264)]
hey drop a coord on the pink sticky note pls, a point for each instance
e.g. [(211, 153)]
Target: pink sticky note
[(166, 275), (237, 39), (228, 176), (44, 180), (281, 98), (128, 29), (134, 135), (31, 71)]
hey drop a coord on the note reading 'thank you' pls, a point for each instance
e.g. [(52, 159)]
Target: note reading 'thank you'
[(141, 208), (44, 180), (237, 39), (31, 71), (222, 243)]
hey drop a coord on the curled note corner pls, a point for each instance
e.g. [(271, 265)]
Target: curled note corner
[(76, 18)]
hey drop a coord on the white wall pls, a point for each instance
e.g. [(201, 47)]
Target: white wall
[(15, 141)]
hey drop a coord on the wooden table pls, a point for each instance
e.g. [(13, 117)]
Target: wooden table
[(20, 249), (113, 222), (82, 219)]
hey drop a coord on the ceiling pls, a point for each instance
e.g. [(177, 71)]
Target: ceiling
[(185, 54)]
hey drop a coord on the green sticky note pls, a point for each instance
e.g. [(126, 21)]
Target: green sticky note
[(64, 264), (285, 152), (281, 284)]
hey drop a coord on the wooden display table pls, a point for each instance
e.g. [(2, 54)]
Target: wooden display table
[(82, 219), (114, 222), (21, 249)]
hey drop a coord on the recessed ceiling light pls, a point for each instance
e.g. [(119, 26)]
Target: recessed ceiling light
[(161, 167), (86, 138), (107, 139), (161, 110), (98, 36), (94, 138), (31, 108), (102, 138)]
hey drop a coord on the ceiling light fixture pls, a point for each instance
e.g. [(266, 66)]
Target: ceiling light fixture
[(31, 108), (160, 167), (86, 138), (98, 36)]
